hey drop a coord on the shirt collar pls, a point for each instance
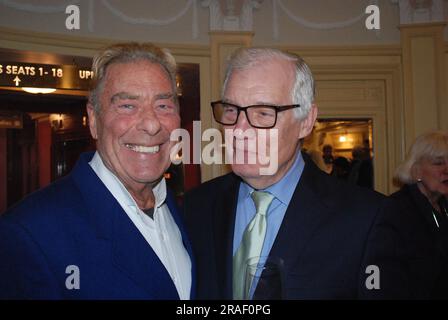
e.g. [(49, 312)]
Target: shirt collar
[(283, 189), (118, 190)]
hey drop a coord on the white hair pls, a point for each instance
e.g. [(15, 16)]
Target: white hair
[(126, 53), (430, 145), (302, 92)]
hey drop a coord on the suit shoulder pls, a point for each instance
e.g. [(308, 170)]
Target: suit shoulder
[(335, 189), (213, 186), (44, 204)]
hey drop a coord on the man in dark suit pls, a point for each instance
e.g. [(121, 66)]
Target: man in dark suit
[(110, 229), (332, 240)]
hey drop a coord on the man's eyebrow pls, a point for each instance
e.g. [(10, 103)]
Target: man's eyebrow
[(228, 101), (123, 96), (167, 95), (257, 103)]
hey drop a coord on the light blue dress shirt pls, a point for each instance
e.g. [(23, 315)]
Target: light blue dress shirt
[(283, 191)]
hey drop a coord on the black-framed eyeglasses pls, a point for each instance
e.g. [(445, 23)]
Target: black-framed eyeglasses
[(259, 116)]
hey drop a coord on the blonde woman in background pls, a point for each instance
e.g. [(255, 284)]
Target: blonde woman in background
[(423, 178)]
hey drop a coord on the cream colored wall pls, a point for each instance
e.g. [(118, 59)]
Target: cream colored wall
[(425, 100), (97, 21), (325, 12)]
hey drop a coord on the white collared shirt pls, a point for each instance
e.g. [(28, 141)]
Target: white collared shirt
[(162, 233)]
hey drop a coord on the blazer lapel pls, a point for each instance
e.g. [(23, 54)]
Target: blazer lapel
[(305, 213), (134, 256), (170, 201), (130, 252), (223, 226)]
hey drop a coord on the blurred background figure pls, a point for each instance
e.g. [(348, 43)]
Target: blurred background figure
[(328, 158), (316, 156), (361, 172), (423, 178), (341, 168)]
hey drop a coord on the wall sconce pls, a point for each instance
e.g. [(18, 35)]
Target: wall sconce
[(84, 121), (60, 122), (57, 121), (178, 85), (38, 90)]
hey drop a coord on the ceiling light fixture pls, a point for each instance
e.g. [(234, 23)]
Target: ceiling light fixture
[(342, 138), (38, 90)]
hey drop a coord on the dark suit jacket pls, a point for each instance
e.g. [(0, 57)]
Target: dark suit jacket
[(429, 267), (77, 221), (330, 233)]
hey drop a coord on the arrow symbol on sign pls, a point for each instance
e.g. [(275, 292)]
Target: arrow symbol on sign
[(16, 80)]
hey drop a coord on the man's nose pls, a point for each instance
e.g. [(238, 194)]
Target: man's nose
[(243, 122), (445, 171), (148, 121)]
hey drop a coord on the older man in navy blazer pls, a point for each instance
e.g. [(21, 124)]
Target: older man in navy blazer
[(110, 229), (330, 240)]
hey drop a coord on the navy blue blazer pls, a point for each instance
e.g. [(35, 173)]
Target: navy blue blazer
[(330, 234), (77, 222)]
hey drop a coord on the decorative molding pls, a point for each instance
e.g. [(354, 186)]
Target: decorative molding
[(309, 24), (37, 8), (230, 21), (419, 11), (348, 51), (424, 85), (85, 46), (42, 9)]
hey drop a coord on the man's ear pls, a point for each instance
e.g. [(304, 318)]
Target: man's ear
[(92, 120), (307, 124)]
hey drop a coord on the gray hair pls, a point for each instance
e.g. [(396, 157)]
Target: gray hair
[(125, 53), (428, 146), (302, 92)]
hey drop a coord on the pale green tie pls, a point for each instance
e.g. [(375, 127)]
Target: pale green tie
[(252, 242)]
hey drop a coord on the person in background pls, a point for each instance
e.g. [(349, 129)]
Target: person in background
[(423, 177), (341, 168), (361, 171), (110, 229), (316, 157), (327, 156)]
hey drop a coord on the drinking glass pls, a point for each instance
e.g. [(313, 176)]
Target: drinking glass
[(264, 278)]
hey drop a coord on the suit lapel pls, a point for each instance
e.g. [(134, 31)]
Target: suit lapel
[(134, 256), (170, 201), (223, 226), (130, 252), (305, 213)]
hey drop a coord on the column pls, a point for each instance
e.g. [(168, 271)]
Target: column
[(424, 75), (229, 30)]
